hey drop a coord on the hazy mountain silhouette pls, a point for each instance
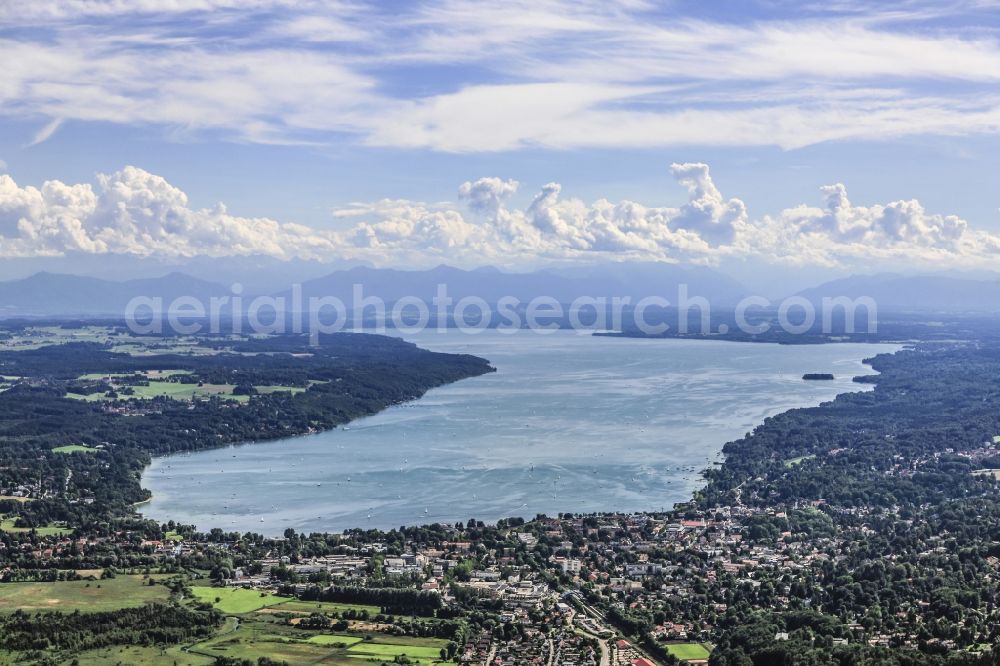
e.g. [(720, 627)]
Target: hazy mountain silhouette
[(58, 294), (892, 291), (632, 280)]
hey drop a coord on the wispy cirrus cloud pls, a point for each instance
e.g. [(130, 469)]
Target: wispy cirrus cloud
[(463, 76)]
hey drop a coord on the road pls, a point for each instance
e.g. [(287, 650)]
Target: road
[(602, 642)]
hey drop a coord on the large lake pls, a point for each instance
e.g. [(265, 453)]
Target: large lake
[(569, 423)]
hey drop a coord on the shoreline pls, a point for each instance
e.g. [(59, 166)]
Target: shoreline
[(691, 496)]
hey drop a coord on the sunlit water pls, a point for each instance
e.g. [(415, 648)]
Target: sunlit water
[(568, 423)]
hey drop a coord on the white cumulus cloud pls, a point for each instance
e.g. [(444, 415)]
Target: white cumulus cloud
[(135, 212), (139, 213)]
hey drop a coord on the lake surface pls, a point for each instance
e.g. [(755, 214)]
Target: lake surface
[(568, 423)]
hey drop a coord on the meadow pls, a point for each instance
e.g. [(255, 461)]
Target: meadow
[(82, 595), (178, 390), (73, 448), (259, 635), (52, 529), (237, 600)]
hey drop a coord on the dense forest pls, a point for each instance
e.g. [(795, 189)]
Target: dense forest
[(345, 377)]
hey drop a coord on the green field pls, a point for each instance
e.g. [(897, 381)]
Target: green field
[(255, 638), (260, 635), (389, 651), (279, 389), (141, 656), (94, 595), (52, 529), (326, 607), (688, 651), (236, 599), (795, 461), (178, 391), (151, 374), (996, 439), (35, 337), (336, 639), (97, 376), (74, 448)]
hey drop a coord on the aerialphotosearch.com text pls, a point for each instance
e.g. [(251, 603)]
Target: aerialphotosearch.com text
[(685, 314)]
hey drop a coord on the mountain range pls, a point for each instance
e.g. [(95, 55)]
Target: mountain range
[(49, 294), (916, 293)]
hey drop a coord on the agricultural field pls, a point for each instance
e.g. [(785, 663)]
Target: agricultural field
[(36, 337), (154, 346), (279, 389), (83, 595), (149, 374), (423, 649), (258, 636), (236, 600), (689, 651), (175, 390)]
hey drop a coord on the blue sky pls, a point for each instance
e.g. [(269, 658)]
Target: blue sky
[(346, 130)]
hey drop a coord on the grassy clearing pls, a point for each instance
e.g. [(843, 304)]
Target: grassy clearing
[(35, 337), (326, 607), (996, 439), (342, 640), (22, 500), (174, 536), (160, 374), (179, 391), (797, 461), (253, 640), (98, 595), (389, 651), (688, 651), (74, 448), (154, 347), (266, 635), (236, 600), (149, 374), (279, 389), (98, 376), (142, 656), (52, 529)]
